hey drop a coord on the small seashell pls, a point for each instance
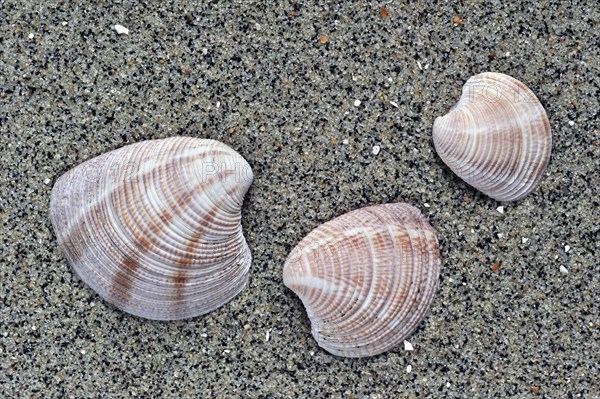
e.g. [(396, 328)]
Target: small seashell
[(496, 138), (154, 227), (366, 278)]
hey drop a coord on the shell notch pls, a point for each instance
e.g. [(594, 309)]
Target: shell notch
[(496, 138), (366, 278), (154, 227)]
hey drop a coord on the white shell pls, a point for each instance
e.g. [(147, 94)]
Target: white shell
[(496, 138), (366, 278), (154, 227)]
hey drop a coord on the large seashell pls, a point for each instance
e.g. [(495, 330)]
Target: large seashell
[(496, 138), (154, 227), (366, 278)]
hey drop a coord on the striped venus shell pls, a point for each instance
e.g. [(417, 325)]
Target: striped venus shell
[(154, 227), (366, 278), (496, 138)]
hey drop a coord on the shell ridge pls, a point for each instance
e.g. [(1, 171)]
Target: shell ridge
[(399, 325), (385, 218)]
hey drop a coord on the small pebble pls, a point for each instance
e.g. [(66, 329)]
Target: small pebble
[(408, 368), (376, 149), (345, 141), (426, 205), (500, 209), (571, 123), (408, 346), (357, 103), (567, 248), (64, 23), (46, 181), (393, 104), (524, 240), (31, 36), (563, 270)]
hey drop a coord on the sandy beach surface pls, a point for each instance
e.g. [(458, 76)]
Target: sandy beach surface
[(332, 104)]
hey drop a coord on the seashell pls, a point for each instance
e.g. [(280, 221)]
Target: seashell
[(496, 138), (154, 227), (366, 278)]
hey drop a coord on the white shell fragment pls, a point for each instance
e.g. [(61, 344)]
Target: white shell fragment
[(366, 278), (121, 30), (496, 138), (154, 227)]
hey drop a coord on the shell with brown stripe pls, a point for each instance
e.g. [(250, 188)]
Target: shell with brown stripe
[(154, 227)]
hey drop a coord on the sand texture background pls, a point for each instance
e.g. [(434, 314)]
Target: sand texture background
[(260, 77)]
